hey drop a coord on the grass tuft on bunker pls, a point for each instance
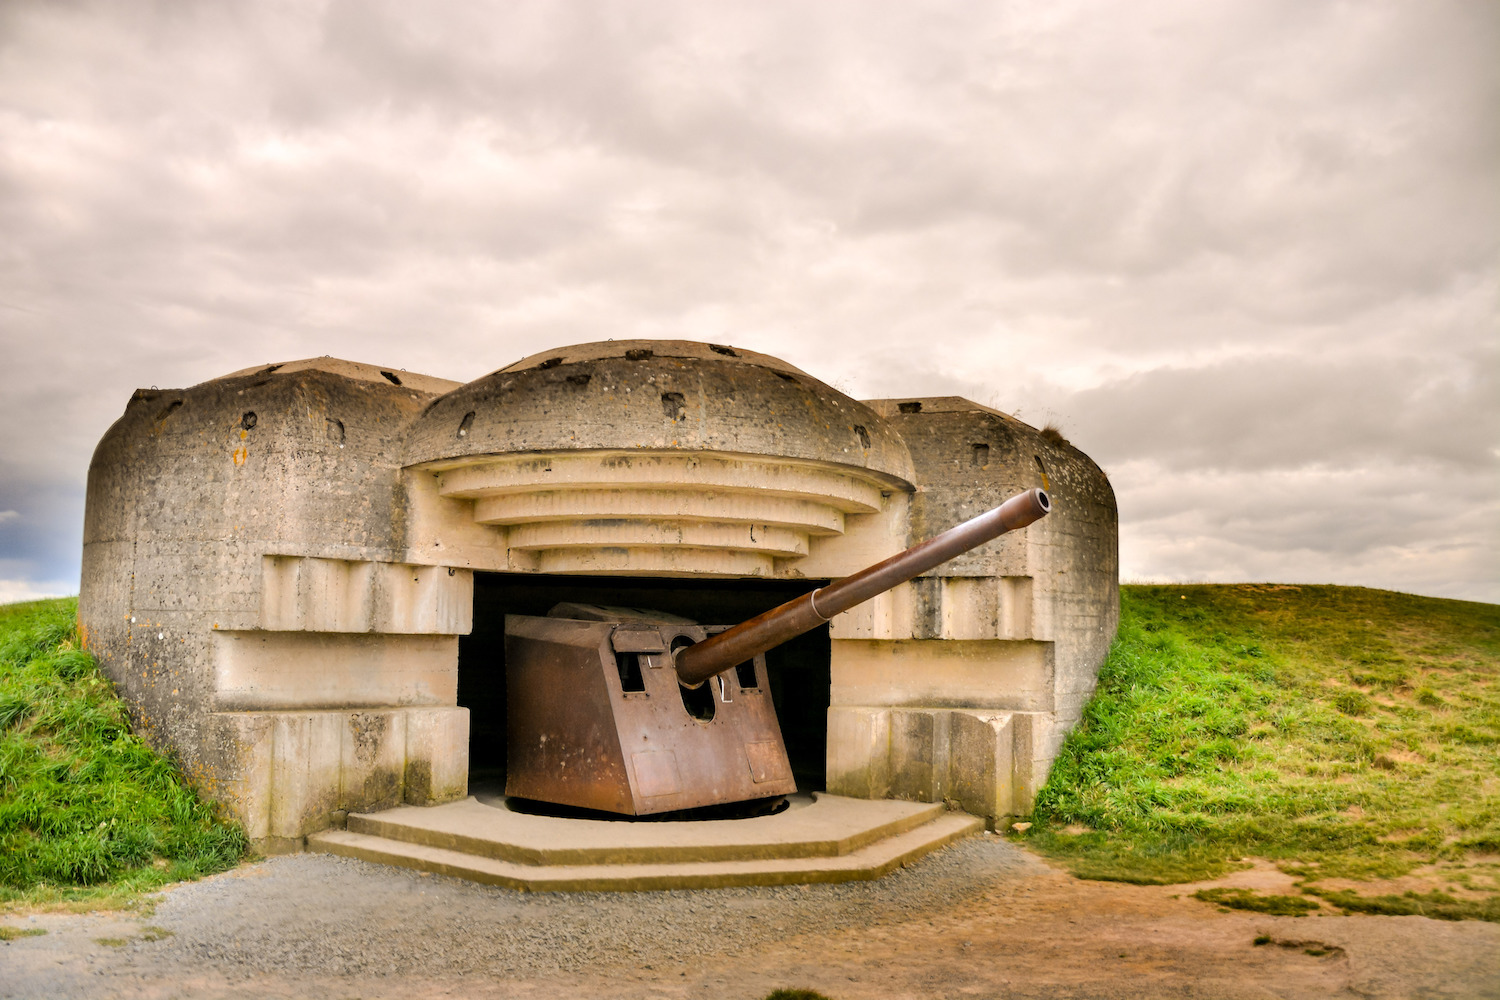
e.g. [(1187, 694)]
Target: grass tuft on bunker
[(90, 816), (1345, 734)]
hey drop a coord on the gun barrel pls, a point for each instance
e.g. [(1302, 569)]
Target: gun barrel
[(695, 664)]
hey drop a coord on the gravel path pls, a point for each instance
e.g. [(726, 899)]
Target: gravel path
[(319, 915), (981, 918)]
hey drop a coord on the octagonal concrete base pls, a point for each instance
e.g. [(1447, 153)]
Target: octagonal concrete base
[(821, 838)]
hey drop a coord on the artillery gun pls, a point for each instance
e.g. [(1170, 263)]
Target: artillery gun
[(638, 712)]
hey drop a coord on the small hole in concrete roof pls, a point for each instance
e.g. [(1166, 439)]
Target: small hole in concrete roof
[(787, 378), (674, 405), (550, 363), (172, 408), (726, 351), (335, 430), (391, 378), (912, 407), (248, 420), (864, 435), (269, 369), (580, 379), (639, 354), (465, 424), (981, 454)]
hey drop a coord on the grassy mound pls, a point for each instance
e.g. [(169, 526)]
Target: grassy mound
[(1342, 732), (87, 809)]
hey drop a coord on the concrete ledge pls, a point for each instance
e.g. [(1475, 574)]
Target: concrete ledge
[(1006, 674), (300, 593), (301, 671), (868, 862), (820, 825)]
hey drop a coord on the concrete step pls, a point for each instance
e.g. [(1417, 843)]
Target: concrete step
[(815, 825), (869, 861)]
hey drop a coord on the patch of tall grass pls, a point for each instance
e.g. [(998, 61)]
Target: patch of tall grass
[(88, 810), (1339, 731)]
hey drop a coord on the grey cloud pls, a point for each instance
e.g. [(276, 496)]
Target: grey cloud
[(1244, 239), (1276, 412), (1288, 412), (1413, 528)]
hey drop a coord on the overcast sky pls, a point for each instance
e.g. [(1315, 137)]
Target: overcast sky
[(1244, 254)]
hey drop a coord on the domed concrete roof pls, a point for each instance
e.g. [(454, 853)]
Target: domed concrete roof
[(427, 385), (652, 394)]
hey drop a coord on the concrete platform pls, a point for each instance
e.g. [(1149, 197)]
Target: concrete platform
[(820, 838)]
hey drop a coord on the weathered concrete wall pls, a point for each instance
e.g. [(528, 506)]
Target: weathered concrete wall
[(214, 515), (1021, 624), (277, 562)]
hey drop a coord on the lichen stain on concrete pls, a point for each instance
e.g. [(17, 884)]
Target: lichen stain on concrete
[(369, 732), (418, 781)]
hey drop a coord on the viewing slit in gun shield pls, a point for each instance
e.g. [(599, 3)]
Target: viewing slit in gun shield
[(718, 653)]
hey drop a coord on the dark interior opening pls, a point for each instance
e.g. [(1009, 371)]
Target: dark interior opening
[(744, 675), (699, 701), (629, 666), (798, 671)]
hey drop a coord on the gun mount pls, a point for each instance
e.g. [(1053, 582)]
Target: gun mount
[(597, 720)]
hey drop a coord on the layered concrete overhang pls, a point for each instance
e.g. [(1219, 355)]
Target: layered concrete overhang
[(656, 457)]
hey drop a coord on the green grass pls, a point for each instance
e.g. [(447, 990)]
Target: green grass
[(1338, 731), (1439, 905), (16, 933), (1244, 899), (89, 814)]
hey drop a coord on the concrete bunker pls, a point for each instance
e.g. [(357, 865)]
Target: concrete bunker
[(289, 571)]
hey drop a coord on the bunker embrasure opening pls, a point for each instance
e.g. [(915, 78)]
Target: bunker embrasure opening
[(797, 672)]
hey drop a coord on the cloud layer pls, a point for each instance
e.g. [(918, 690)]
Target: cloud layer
[(1245, 254)]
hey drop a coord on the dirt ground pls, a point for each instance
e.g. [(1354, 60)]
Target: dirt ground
[(981, 919)]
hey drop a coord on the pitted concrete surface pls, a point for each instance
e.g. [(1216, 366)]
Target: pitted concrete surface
[(982, 918)]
